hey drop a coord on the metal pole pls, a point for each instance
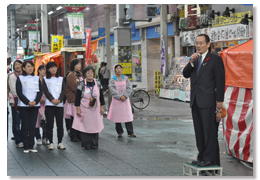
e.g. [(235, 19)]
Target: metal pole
[(36, 27), (164, 32), (13, 38)]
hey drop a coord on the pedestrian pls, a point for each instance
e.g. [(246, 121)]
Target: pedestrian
[(66, 117), (100, 76), (54, 91), (72, 81), (207, 78), (105, 72), (29, 91), (88, 118), (41, 121), (120, 110), (13, 100)]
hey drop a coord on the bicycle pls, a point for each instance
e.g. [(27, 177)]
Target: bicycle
[(140, 98)]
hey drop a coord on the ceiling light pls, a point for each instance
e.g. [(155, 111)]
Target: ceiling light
[(49, 13), (58, 8), (25, 25), (17, 29)]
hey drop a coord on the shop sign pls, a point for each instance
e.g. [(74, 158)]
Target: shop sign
[(31, 25), (233, 19), (191, 13), (75, 7), (189, 37), (56, 43), (231, 32)]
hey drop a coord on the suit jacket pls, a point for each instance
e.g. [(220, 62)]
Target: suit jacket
[(209, 86)]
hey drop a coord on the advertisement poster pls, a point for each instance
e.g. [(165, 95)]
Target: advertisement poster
[(33, 40), (162, 57), (56, 42), (76, 25), (124, 54)]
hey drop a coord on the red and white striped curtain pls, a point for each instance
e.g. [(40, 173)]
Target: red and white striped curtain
[(238, 124)]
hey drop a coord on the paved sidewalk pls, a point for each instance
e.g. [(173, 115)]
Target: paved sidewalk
[(160, 149)]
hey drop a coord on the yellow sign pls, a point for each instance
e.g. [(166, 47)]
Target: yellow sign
[(127, 68), (157, 81), (233, 19), (56, 43)]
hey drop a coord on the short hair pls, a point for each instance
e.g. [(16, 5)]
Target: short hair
[(206, 37), (86, 69), (207, 40), (117, 66), (48, 66), (19, 61), (25, 63), (73, 63), (40, 68)]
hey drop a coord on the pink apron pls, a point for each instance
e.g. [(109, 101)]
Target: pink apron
[(91, 121), (69, 108), (40, 113), (119, 111)]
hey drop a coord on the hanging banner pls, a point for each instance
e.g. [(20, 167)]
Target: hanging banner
[(235, 18), (88, 46), (189, 37), (56, 42), (76, 25), (231, 32), (162, 57), (33, 39)]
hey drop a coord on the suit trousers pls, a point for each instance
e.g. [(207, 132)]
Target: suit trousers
[(51, 112), (29, 118), (204, 120), (129, 128)]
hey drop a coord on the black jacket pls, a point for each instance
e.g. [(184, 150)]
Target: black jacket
[(209, 86)]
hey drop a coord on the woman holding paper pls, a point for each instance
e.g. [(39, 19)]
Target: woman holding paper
[(88, 118)]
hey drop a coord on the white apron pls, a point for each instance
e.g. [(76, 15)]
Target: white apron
[(119, 111), (54, 85), (91, 121), (30, 88)]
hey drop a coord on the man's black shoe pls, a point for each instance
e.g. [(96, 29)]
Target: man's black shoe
[(206, 163)]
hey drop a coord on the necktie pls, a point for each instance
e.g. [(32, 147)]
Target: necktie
[(199, 64)]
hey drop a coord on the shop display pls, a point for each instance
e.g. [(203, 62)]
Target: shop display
[(175, 86)]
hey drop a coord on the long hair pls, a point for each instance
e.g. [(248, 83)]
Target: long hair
[(40, 68), (48, 66), (25, 63)]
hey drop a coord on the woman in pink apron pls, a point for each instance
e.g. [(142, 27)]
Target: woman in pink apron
[(39, 123), (72, 81), (88, 118), (120, 110)]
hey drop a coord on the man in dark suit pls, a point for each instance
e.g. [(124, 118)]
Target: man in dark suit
[(207, 78)]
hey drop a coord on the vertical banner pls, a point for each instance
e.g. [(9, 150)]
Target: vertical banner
[(56, 42), (162, 57), (88, 48), (33, 39), (76, 25)]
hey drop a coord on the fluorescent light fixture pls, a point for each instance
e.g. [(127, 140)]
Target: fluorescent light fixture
[(50, 12), (25, 25), (87, 8), (58, 8), (17, 29)]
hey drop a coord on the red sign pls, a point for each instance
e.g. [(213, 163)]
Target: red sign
[(31, 25), (75, 7)]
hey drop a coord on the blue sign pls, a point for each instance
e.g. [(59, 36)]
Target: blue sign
[(101, 33), (154, 31)]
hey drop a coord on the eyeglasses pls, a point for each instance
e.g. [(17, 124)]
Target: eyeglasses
[(90, 72)]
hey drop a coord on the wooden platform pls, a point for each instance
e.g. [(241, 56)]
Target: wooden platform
[(191, 168)]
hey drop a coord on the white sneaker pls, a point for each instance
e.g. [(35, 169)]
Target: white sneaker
[(26, 151), (60, 146), (39, 142), (51, 146), (45, 141), (33, 150), (20, 145)]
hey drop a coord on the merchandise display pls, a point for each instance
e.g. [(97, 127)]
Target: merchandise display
[(175, 86)]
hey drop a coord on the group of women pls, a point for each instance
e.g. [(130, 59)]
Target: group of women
[(77, 97)]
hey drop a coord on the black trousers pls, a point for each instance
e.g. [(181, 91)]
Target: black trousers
[(104, 83), (50, 113), (29, 118), (74, 132), (128, 126), (89, 140), (205, 126)]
